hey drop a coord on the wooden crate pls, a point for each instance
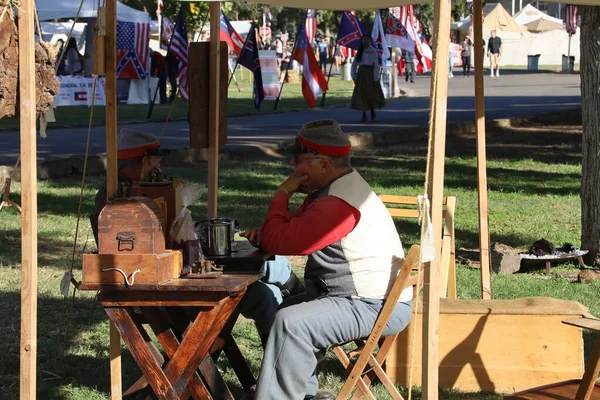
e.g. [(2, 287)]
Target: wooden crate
[(497, 345), (154, 269)]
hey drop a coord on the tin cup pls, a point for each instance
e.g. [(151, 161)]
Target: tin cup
[(218, 235)]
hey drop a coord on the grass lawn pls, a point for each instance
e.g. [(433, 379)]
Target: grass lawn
[(240, 102), (534, 181)]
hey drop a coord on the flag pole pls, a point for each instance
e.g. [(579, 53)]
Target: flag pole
[(237, 62), (331, 66), (288, 66), (151, 108)]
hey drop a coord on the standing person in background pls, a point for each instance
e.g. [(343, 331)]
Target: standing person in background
[(323, 52), (367, 94), (451, 58), (466, 56), (159, 69), (60, 68), (339, 58), (494, 53), (73, 65), (278, 48), (409, 65)]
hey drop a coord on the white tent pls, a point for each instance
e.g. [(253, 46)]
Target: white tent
[(52, 31), (51, 9), (529, 14)]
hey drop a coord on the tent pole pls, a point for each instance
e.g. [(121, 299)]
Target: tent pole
[(111, 168), (484, 230), (213, 133), (435, 191), (29, 256)]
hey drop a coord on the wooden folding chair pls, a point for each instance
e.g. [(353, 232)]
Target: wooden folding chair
[(396, 205), (410, 274)]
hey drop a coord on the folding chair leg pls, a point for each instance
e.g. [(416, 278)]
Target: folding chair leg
[(361, 386), (384, 379)]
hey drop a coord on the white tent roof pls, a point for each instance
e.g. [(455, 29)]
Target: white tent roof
[(372, 4), (529, 14), (52, 31), (52, 9)]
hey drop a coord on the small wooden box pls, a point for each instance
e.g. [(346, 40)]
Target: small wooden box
[(132, 225), (154, 269), (501, 346)]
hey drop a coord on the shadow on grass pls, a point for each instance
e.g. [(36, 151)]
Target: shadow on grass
[(72, 348)]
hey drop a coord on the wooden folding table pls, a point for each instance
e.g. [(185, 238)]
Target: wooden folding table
[(187, 316)]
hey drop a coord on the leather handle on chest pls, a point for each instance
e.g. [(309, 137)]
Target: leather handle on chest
[(126, 240)]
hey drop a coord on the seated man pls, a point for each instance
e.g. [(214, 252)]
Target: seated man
[(138, 156), (352, 246)]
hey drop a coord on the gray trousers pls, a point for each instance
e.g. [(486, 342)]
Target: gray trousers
[(301, 332)]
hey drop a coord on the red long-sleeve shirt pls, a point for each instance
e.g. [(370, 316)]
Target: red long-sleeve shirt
[(310, 228)]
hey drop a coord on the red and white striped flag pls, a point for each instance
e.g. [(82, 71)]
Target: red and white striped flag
[(313, 80), (571, 14), (311, 24)]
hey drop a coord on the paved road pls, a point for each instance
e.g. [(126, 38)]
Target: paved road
[(511, 95)]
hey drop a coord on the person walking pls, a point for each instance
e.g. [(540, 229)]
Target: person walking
[(466, 56), (494, 53), (450, 58), (409, 65), (159, 69), (367, 94)]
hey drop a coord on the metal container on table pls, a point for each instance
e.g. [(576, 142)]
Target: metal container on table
[(217, 235)]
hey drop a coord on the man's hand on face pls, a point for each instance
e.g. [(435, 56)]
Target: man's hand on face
[(253, 236), (292, 184)]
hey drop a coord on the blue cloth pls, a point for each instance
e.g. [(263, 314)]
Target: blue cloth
[(264, 297)]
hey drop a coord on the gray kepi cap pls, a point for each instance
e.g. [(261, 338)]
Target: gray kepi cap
[(133, 144), (321, 137)]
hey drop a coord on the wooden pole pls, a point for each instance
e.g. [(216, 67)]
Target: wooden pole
[(394, 73), (484, 232), (213, 138), (111, 169), (435, 191), (29, 255)]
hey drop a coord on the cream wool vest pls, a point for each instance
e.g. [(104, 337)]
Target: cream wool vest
[(365, 262)]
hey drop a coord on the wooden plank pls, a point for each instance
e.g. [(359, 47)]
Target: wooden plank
[(110, 52), (557, 391), (435, 191), (213, 149), (29, 255), (484, 230), (408, 200), (586, 323), (449, 230), (200, 95), (164, 299), (403, 213), (592, 368)]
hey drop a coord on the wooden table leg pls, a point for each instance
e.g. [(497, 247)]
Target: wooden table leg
[(137, 346), (580, 260), (170, 343), (592, 369), (548, 266), (198, 341)]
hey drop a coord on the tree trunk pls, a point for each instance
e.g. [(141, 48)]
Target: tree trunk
[(590, 101)]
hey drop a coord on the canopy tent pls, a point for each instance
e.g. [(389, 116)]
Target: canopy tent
[(542, 25), (530, 14), (53, 31), (497, 20), (51, 9)]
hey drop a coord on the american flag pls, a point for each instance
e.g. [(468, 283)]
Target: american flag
[(132, 49), (179, 47), (571, 14), (311, 24)]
